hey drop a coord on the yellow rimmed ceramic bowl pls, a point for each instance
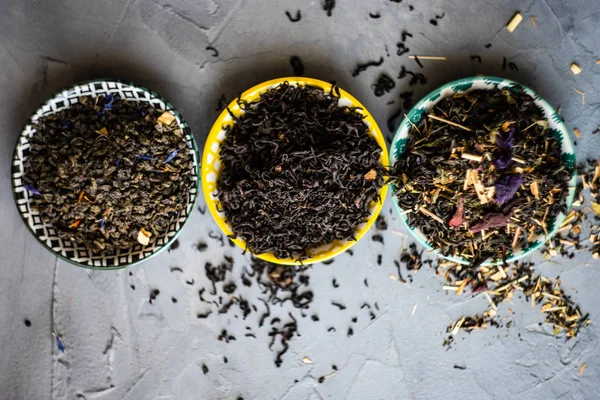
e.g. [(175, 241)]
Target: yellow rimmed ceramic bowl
[(211, 168)]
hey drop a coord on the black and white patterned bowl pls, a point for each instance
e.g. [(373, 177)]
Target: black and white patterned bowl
[(45, 233)]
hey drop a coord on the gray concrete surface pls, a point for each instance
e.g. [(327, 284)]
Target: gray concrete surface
[(119, 346)]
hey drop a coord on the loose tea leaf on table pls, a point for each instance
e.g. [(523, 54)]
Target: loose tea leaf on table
[(482, 175), (299, 171), (109, 173)]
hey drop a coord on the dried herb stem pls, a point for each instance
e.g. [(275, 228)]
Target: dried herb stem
[(432, 116), (425, 211), (437, 58)]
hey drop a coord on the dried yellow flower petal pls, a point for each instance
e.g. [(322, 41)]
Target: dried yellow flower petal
[(371, 175), (166, 118), (596, 208), (535, 189), (144, 237)]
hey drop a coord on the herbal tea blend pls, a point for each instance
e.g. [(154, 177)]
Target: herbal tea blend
[(299, 171), (482, 175), (108, 173)]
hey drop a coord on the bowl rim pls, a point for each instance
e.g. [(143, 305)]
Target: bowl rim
[(435, 95), (168, 107), (252, 94)]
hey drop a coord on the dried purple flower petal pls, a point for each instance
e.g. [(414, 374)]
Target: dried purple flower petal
[(503, 156), (502, 159), (506, 187), (491, 220), (505, 140)]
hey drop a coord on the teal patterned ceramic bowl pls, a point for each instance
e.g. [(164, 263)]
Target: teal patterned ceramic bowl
[(556, 126)]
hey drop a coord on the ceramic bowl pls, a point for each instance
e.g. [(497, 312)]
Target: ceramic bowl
[(44, 232), (211, 168), (556, 126)]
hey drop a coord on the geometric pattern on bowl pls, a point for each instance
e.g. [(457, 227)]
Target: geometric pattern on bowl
[(556, 126), (211, 168), (45, 233)]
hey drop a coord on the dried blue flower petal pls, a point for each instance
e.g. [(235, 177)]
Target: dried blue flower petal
[(32, 189), (107, 103), (118, 162), (60, 345), (66, 124), (172, 155), (147, 158), (101, 221), (506, 187)]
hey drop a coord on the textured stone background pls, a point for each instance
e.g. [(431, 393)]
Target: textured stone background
[(119, 346)]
